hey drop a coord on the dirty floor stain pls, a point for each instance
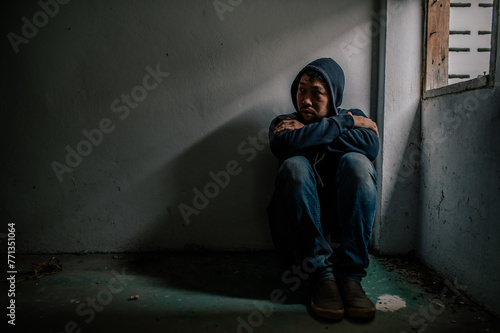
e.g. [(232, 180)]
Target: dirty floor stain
[(390, 303)]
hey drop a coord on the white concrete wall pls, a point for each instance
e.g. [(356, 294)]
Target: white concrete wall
[(459, 234), (228, 76), (459, 230), (399, 118)]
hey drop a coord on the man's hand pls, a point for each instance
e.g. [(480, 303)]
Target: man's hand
[(288, 124), (362, 122)]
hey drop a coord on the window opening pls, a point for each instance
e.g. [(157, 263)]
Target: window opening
[(458, 45)]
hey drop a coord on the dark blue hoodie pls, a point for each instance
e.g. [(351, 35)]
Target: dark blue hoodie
[(333, 135)]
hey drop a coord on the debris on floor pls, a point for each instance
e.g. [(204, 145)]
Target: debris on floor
[(48, 267), (414, 272)]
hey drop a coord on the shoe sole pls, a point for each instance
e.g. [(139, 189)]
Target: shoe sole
[(328, 313), (357, 313)]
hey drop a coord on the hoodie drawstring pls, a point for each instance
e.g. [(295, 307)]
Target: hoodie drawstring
[(318, 159)]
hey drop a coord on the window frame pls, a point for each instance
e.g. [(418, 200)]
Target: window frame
[(487, 81)]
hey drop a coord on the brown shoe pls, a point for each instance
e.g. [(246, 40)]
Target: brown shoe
[(357, 304), (326, 301)]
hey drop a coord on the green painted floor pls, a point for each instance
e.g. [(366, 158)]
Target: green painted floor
[(227, 292)]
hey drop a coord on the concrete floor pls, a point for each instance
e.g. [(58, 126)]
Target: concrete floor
[(227, 292)]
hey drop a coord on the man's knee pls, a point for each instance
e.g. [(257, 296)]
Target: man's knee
[(297, 169), (358, 168)]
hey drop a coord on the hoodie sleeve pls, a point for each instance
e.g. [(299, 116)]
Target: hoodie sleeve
[(300, 141), (358, 140)]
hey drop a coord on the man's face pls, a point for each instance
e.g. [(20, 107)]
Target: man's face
[(312, 99)]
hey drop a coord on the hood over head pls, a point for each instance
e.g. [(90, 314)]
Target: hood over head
[(334, 78)]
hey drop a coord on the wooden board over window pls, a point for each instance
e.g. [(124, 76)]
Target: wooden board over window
[(437, 35)]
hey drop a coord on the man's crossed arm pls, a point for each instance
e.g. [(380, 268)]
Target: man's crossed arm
[(339, 133), (359, 122)]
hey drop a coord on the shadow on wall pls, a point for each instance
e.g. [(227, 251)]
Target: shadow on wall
[(218, 191)]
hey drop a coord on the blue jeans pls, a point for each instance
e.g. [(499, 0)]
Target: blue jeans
[(325, 229)]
